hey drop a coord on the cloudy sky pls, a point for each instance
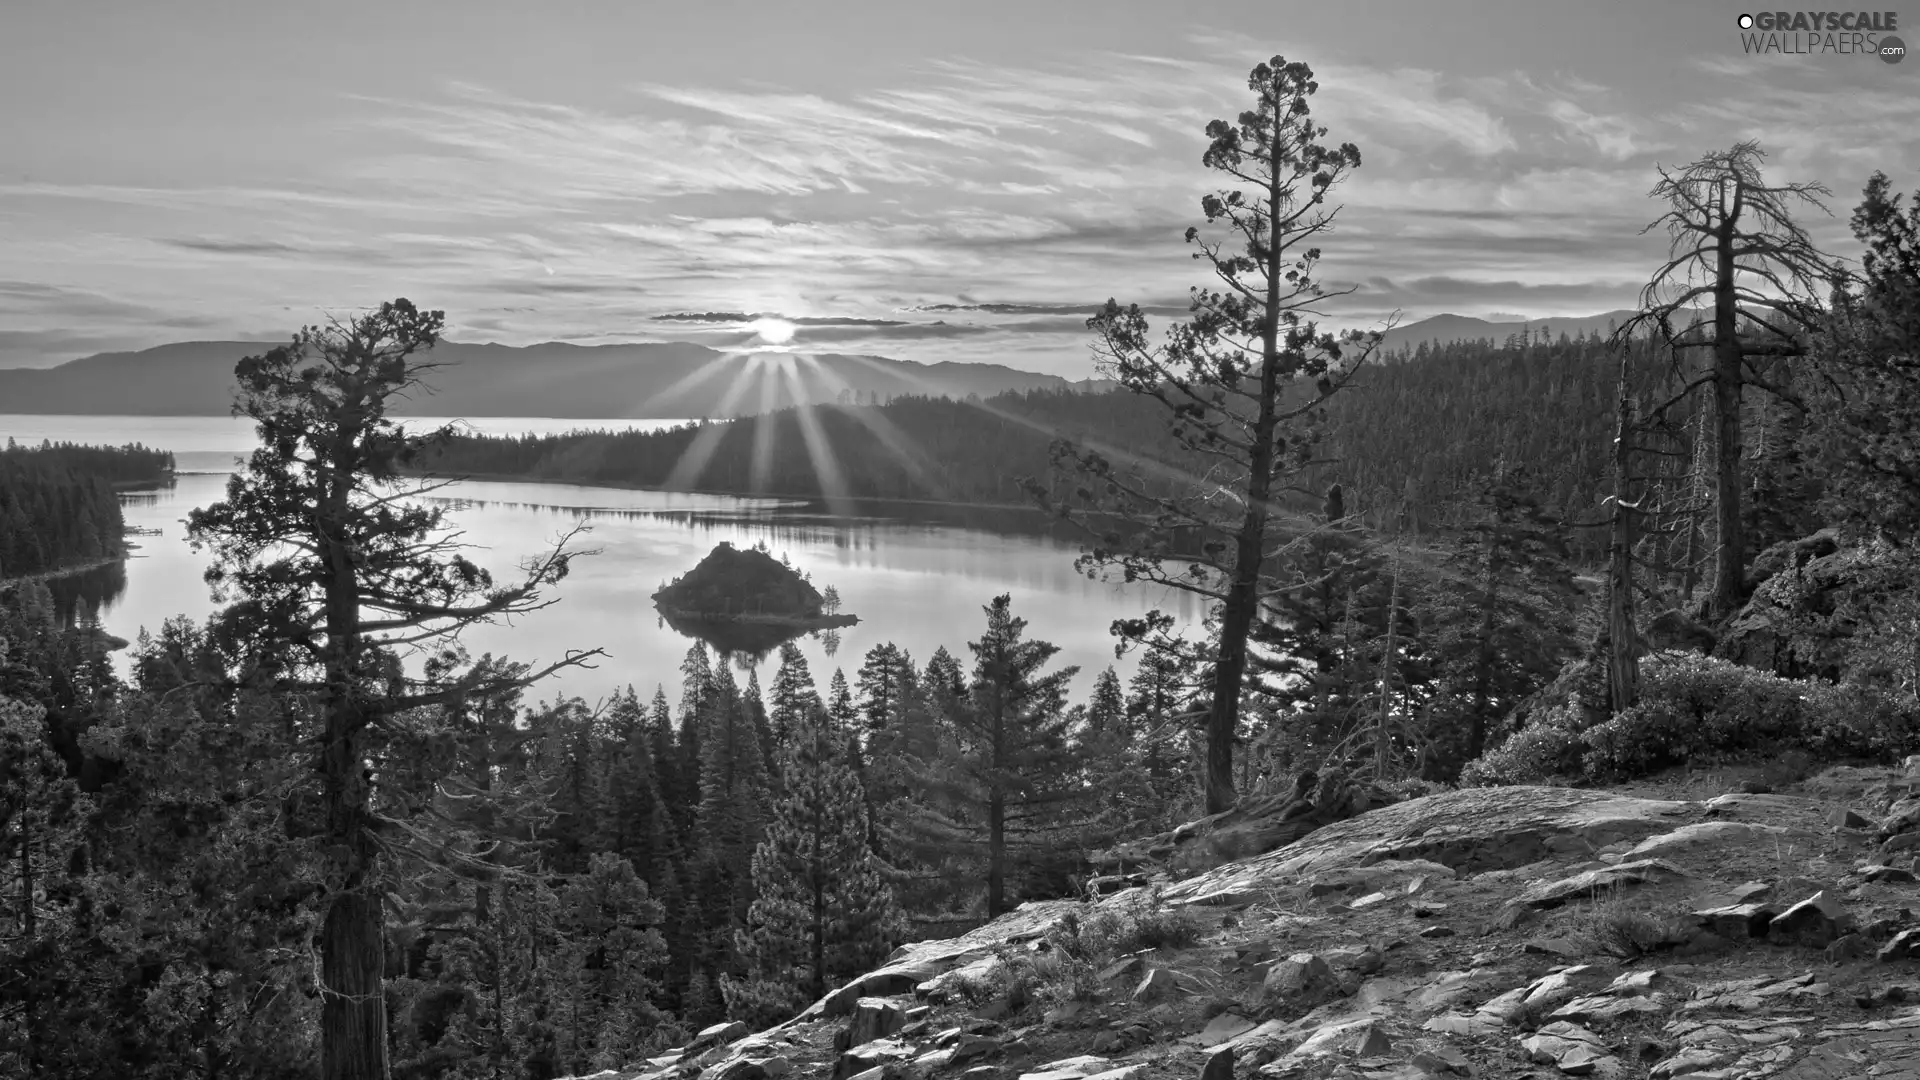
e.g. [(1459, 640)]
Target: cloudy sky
[(951, 181)]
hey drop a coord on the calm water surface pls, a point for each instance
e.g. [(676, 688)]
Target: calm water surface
[(915, 577)]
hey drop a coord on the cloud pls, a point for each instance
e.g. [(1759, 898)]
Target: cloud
[(959, 210), (236, 247)]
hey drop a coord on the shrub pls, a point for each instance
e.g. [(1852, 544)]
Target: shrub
[(1699, 709)]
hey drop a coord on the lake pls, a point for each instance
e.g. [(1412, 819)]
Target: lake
[(917, 576)]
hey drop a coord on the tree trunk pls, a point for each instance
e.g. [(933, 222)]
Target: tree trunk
[(1243, 593), (996, 855), (353, 1013), (1729, 586), (1623, 657), (1483, 661)]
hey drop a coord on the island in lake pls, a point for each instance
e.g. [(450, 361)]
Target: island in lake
[(743, 599)]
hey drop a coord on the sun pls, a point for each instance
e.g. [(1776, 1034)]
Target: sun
[(773, 331)]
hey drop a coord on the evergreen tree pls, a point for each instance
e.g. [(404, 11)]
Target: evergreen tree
[(840, 707), (335, 569), (1243, 382), (1504, 624), (1008, 798), (613, 953), (794, 695), (822, 912)]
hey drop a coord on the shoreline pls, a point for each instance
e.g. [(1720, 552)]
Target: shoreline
[(511, 478), (65, 571)]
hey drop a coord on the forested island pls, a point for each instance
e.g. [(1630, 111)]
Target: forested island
[(749, 585)]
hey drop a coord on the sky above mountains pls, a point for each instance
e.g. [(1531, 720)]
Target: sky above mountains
[(931, 182)]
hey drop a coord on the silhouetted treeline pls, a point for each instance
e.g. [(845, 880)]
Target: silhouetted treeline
[(908, 448), (57, 502)]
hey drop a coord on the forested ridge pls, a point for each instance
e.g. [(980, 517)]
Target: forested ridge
[(1425, 424), (57, 502), (315, 837)]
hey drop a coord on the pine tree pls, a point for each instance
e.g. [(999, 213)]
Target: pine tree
[(733, 794), (794, 695), (840, 706), (1014, 783), (1159, 710), (1504, 616), (822, 911), (613, 953), (882, 683)]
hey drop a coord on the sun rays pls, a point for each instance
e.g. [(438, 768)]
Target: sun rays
[(780, 380)]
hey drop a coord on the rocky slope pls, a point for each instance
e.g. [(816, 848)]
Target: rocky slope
[(1500, 932)]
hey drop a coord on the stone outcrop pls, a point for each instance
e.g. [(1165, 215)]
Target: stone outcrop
[(1588, 934)]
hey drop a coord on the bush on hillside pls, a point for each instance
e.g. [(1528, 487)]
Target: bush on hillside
[(1701, 709)]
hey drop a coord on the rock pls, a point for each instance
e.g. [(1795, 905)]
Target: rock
[(1302, 980), (1121, 969), (1469, 830), (716, 1035), (1892, 875), (1718, 835), (1219, 1065), (1736, 922), (1367, 901), (1465, 1024), (1599, 1009), (1555, 893), (1373, 1043), (1442, 1061), (1364, 959), (1847, 818), (1222, 1028), (1904, 946), (1551, 991), (736, 1069), (1157, 984), (777, 1067), (1551, 947), (1427, 909), (875, 1018), (1572, 1049), (1849, 948), (1252, 827), (1073, 1068), (1814, 922), (1438, 932), (874, 1055)]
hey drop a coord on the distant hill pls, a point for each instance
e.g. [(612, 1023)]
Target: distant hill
[(1441, 329), (667, 380)]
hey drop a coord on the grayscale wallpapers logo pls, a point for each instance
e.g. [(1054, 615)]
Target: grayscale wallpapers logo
[(1806, 33)]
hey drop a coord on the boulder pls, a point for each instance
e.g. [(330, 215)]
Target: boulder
[(875, 1018), (1302, 981), (1552, 894), (1469, 831), (1736, 922), (1814, 922), (1254, 826), (716, 1035), (1568, 1047), (1219, 1065)]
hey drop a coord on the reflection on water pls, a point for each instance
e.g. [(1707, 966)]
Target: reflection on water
[(917, 576), (754, 641), (80, 597)]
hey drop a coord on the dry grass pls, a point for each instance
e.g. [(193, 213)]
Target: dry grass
[(1067, 964)]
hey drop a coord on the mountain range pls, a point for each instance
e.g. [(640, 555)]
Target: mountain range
[(666, 380), (663, 380)]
